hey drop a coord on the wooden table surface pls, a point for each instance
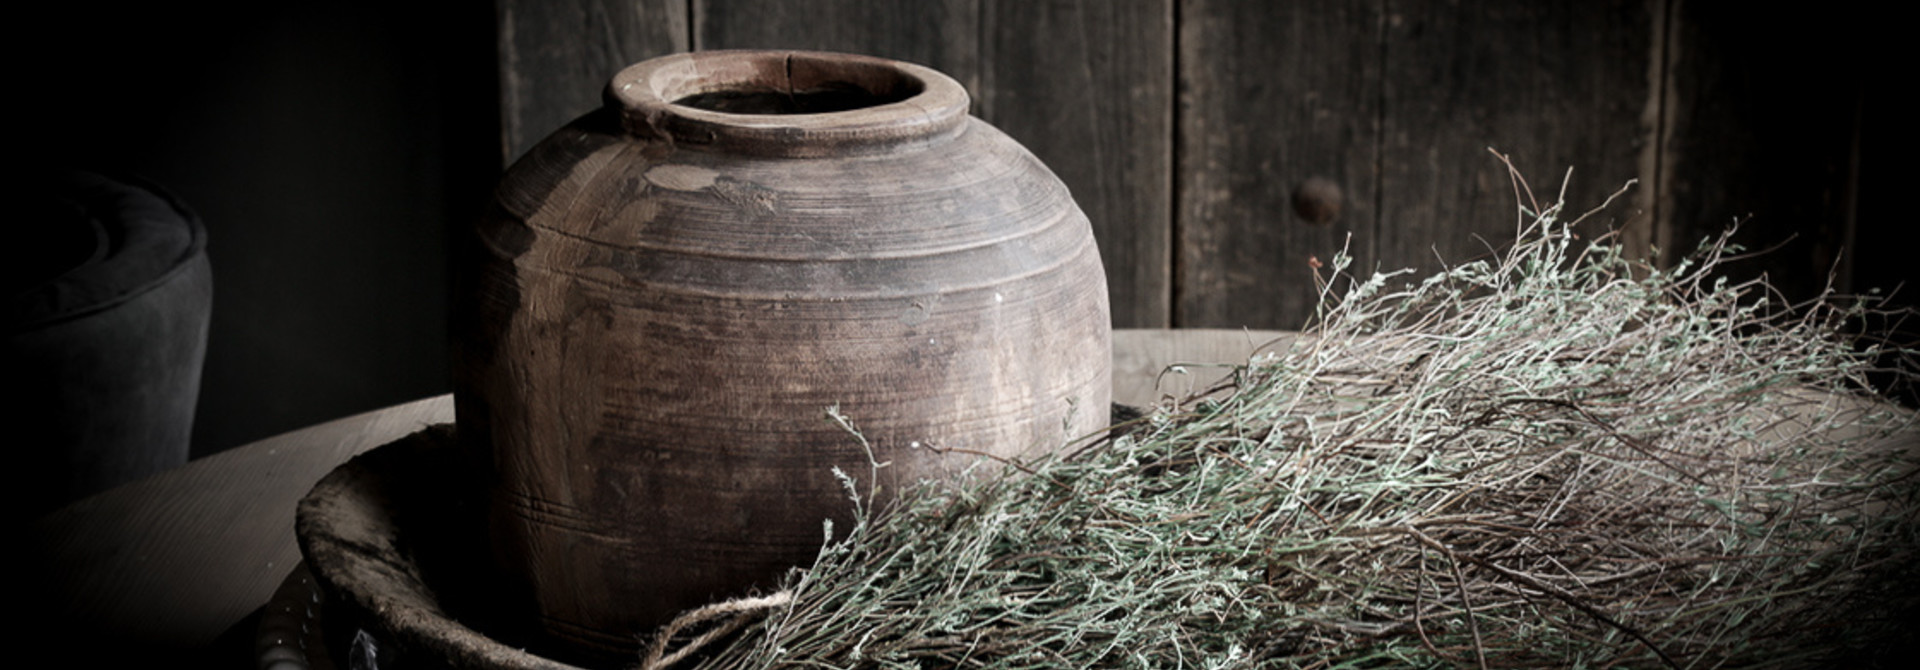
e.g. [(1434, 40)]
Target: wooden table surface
[(173, 561)]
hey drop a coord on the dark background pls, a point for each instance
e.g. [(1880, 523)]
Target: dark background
[(332, 150), (328, 149)]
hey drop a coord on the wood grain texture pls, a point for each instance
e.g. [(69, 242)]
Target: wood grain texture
[(1087, 85), (1766, 133), (1143, 360), (941, 34), (173, 560), (1720, 110), (1271, 95), (1554, 85), (556, 56), (1395, 103)]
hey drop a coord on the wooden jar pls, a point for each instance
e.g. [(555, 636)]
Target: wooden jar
[(668, 294)]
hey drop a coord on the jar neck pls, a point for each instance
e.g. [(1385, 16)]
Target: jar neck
[(787, 103)]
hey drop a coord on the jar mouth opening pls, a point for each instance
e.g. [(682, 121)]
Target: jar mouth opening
[(800, 85), (787, 102), (833, 97)]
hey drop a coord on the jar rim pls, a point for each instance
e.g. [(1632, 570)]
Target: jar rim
[(891, 103)]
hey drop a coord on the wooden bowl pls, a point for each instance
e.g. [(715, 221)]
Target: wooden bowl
[(396, 539)]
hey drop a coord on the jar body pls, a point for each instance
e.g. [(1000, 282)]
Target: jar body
[(652, 329)]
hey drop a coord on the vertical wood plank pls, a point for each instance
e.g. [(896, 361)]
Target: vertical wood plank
[(1087, 85), (1884, 237), (557, 55), (941, 34), (1553, 85), (1765, 103), (1270, 96)]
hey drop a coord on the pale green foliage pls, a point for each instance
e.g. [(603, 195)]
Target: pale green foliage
[(1559, 458)]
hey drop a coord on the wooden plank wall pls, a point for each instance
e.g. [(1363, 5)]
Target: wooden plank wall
[(557, 55), (1768, 135), (1185, 127)]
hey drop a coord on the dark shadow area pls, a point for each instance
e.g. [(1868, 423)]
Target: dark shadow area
[(328, 149), (845, 97)]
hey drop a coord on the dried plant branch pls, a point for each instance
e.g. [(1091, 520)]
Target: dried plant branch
[(1618, 464)]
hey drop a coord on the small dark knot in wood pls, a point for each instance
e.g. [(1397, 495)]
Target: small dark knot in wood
[(1317, 200)]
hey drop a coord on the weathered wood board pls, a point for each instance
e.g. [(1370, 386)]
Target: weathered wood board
[(1553, 86), (1271, 95), (1764, 132), (556, 56), (1396, 103), (1184, 127), (1087, 85)]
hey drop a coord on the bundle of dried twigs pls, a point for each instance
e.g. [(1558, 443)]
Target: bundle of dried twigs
[(1560, 457)]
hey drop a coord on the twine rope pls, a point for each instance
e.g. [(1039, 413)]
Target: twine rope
[(741, 611)]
